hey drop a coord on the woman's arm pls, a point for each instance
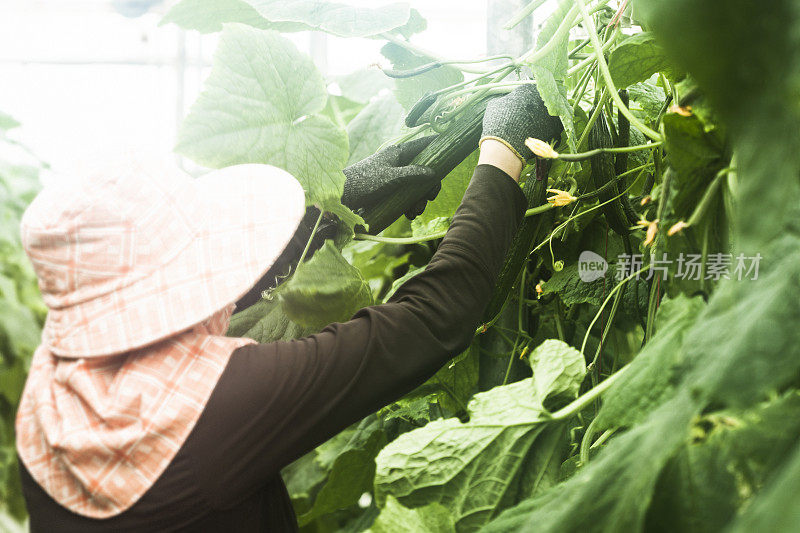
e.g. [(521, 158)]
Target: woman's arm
[(276, 401)]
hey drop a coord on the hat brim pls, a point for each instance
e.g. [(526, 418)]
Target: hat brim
[(247, 215)]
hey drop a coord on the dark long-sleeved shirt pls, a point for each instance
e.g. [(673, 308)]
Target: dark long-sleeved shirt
[(276, 401)]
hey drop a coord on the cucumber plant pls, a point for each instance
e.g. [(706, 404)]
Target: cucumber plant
[(605, 399), (635, 370)]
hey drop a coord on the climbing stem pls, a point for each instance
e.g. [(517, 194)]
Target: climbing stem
[(601, 63)]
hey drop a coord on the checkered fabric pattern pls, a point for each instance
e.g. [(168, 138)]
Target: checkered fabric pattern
[(139, 269)]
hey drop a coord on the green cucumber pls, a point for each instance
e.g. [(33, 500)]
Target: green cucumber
[(603, 175), (442, 155), (419, 109)]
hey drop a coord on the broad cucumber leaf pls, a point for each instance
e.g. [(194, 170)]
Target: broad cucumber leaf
[(653, 374), (612, 492), (696, 155), (290, 15), (469, 468), (208, 16), (775, 509), (331, 17), (636, 59), (650, 98), (261, 104), (476, 468), (558, 370), (550, 73), (324, 289), (409, 90), (380, 120), (731, 455), (266, 321), (395, 518)]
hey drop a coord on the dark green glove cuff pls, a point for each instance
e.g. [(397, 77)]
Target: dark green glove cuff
[(518, 115)]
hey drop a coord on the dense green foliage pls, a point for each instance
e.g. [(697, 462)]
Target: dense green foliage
[(21, 313), (655, 402)]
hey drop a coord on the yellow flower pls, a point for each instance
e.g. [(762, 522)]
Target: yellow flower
[(541, 148), (561, 198), (652, 229), (539, 289), (645, 200), (677, 228), (681, 110)]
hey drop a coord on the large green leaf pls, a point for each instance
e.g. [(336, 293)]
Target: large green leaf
[(266, 321), (475, 469), (775, 509), (611, 493), (289, 15), (324, 289), (636, 59), (379, 121), (208, 16), (335, 18), (695, 154), (731, 455), (260, 104), (653, 374)]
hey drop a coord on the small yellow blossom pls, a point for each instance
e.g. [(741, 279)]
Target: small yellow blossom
[(541, 148), (645, 200), (561, 198), (539, 289), (677, 228), (684, 111), (652, 229)]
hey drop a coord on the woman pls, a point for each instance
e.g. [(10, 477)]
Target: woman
[(139, 415)]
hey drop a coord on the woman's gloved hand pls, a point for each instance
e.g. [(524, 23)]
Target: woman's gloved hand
[(518, 115), (380, 175)]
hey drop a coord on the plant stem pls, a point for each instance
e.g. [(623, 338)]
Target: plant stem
[(707, 198), (592, 58), (601, 63), (587, 398), (522, 13), (310, 238), (597, 151), (614, 291)]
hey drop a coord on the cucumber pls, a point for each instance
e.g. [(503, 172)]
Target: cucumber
[(526, 237), (419, 109), (603, 175), (442, 155)]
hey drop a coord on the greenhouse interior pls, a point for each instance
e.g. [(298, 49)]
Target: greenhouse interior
[(403, 266)]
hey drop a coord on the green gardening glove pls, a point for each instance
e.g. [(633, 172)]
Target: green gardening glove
[(381, 175), (518, 115)]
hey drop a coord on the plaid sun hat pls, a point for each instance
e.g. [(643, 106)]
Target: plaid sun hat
[(130, 256), (139, 267)]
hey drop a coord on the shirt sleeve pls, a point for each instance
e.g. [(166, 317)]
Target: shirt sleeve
[(276, 401)]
